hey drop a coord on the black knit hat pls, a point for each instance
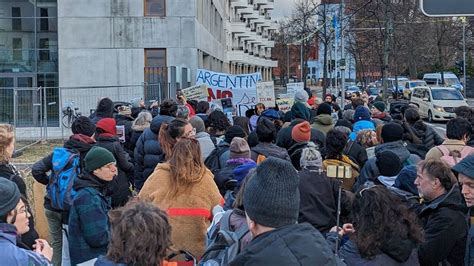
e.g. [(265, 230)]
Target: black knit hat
[(234, 131), (271, 197), (9, 196), (83, 125), (324, 108), (266, 130), (392, 132), (388, 163), (379, 105)]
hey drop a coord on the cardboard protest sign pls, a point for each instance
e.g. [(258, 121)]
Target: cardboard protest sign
[(120, 133), (285, 102), (197, 92), (266, 93), (242, 88), (291, 88)]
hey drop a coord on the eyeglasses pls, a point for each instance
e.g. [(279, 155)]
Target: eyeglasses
[(190, 133)]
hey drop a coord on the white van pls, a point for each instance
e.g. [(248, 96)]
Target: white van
[(450, 80), (437, 103)]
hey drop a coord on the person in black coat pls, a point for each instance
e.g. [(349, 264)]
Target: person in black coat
[(443, 215), (105, 108), (81, 141), (148, 152), (139, 125), (425, 133), (124, 118), (319, 193), (284, 139), (119, 188)]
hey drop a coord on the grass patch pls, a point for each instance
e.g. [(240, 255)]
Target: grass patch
[(35, 152)]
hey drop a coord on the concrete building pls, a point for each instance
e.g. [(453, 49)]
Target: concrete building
[(150, 47)]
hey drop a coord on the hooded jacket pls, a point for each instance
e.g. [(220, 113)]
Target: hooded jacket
[(88, 220), (426, 134), (148, 151), (119, 188), (361, 125), (298, 244), (370, 171), (104, 109), (298, 110), (137, 131), (205, 143), (13, 255), (284, 139), (126, 122), (445, 227), (227, 172), (323, 123), (396, 252), (269, 149), (318, 199)]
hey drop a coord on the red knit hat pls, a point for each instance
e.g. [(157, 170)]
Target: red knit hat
[(301, 132), (107, 125)]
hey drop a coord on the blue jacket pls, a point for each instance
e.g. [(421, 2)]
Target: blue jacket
[(469, 256), (148, 151), (12, 255), (88, 220), (103, 261), (360, 125), (396, 253)]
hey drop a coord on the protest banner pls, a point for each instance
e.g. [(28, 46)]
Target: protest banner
[(266, 93), (197, 92), (291, 88), (120, 133), (242, 88), (285, 102)]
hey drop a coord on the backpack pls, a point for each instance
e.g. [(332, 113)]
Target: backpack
[(66, 168), (295, 153), (212, 161), (453, 157), (224, 244)]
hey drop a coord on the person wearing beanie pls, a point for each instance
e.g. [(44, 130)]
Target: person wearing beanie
[(301, 96), (88, 233), (271, 200), (206, 143), (14, 216), (266, 133), (222, 147), (81, 141), (361, 121), (124, 119), (319, 193), (301, 135), (239, 158), (284, 139), (105, 109), (389, 166), (298, 110), (391, 140), (323, 120), (378, 112), (106, 138)]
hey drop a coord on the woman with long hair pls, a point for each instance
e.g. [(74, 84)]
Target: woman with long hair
[(383, 230), (171, 132), (185, 189)]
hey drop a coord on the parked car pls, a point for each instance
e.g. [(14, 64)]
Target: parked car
[(351, 89), (373, 92), (437, 103), (410, 85), (450, 80)]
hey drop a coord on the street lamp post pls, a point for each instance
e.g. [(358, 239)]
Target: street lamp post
[(463, 19)]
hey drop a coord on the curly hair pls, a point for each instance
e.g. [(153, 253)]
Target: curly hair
[(168, 107), (335, 143), (379, 216), (367, 138), (217, 121), (140, 234), (6, 138)]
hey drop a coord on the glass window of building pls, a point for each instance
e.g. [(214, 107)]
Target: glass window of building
[(156, 74), (155, 8)]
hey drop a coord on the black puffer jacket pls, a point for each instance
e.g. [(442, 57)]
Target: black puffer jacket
[(148, 152), (126, 121), (119, 188), (426, 134), (445, 226), (284, 139), (298, 244)]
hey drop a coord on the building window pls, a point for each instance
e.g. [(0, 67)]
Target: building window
[(156, 74), (155, 57), (44, 49), (155, 8), (17, 45), (44, 24), (16, 18)]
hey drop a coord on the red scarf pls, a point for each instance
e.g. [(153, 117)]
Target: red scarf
[(83, 138)]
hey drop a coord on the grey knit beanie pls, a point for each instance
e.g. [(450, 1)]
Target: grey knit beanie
[(272, 197), (310, 156), (9, 196)]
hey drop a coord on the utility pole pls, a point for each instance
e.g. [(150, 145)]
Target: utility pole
[(386, 50), (343, 55), (335, 25), (287, 64), (464, 87)]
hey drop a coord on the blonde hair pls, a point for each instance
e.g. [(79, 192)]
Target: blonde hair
[(186, 166), (143, 119), (6, 138)]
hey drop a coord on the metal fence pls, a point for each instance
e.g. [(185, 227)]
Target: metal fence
[(37, 113)]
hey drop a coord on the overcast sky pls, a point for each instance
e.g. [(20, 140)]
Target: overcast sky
[(282, 8)]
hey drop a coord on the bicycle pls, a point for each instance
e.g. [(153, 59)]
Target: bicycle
[(70, 113)]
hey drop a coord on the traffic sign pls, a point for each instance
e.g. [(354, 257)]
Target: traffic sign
[(445, 8)]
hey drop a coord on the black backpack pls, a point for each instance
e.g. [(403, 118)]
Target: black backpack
[(212, 161), (223, 244)]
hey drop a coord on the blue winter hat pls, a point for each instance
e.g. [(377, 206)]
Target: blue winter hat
[(406, 179), (361, 113), (241, 171), (272, 114)]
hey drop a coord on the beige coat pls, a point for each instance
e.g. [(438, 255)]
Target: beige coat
[(189, 213), (450, 144)]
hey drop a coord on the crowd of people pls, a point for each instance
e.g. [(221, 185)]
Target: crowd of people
[(317, 185)]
